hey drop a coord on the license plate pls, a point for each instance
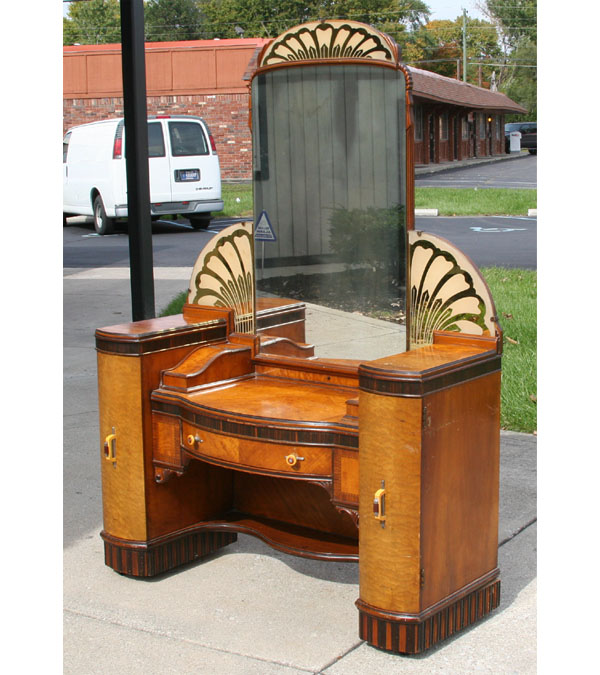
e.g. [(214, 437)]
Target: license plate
[(185, 175)]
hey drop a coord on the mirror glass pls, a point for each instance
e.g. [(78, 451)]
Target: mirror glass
[(330, 174)]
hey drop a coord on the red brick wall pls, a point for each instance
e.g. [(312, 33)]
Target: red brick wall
[(225, 114)]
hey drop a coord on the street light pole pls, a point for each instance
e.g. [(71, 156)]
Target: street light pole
[(136, 158)]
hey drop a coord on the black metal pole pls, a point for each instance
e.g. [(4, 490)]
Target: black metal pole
[(136, 157)]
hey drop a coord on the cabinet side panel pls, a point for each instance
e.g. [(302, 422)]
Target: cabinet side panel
[(123, 493), (460, 486), (390, 450)]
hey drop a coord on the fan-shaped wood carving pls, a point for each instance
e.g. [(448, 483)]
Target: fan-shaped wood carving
[(447, 291), (322, 40), (223, 275)]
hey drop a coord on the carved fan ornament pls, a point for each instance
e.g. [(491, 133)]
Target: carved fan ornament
[(323, 40), (223, 275), (447, 291)]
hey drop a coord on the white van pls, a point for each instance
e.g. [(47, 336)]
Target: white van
[(185, 176)]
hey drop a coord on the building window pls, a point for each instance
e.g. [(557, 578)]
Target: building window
[(481, 125), (465, 129), (498, 127), (444, 127), (418, 123)]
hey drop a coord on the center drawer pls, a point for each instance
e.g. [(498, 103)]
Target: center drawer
[(257, 456)]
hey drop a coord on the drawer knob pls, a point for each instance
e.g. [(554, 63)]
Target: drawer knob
[(191, 439), (293, 459)]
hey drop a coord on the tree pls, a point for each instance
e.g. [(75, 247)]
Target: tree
[(516, 21), (269, 18), (438, 46), (172, 20), (519, 80), (93, 22)]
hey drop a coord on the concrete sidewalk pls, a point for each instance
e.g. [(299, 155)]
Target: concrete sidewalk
[(250, 609), (423, 169)]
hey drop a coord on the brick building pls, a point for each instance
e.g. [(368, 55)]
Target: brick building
[(452, 120), (201, 77)]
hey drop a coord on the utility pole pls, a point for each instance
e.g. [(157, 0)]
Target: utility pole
[(464, 45)]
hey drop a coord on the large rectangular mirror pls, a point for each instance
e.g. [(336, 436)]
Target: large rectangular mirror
[(330, 173)]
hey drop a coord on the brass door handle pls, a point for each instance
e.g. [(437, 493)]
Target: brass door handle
[(110, 447), (379, 505)]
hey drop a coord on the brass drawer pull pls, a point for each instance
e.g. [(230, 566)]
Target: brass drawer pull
[(293, 459), (191, 440)]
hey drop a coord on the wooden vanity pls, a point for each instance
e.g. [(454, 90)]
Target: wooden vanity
[(222, 420), (210, 433)]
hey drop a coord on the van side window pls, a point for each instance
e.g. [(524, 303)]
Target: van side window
[(156, 141), (66, 140), (187, 138)]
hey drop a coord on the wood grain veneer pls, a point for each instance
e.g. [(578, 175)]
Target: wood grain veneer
[(460, 490), (255, 456), (123, 485), (432, 569), (390, 451)]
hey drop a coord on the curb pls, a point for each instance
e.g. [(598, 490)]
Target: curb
[(425, 169)]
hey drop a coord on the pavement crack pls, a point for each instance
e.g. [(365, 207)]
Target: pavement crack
[(166, 636), (514, 534), (338, 658)]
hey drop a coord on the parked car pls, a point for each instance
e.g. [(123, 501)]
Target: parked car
[(185, 175), (528, 135)]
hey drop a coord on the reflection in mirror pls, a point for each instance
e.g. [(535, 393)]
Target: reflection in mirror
[(329, 171)]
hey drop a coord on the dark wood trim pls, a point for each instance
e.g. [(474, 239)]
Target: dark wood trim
[(209, 326), (268, 319), (322, 434), (138, 344), (412, 634), (421, 383), (148, 559)]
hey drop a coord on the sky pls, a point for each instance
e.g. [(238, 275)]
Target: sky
[(451, 9), (440, 9)]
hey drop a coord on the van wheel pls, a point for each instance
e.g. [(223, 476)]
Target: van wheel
[(200, 222), (102, 223)]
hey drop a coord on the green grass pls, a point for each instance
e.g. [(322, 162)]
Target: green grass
[(176, 305), (238, 201), (448, 201), (515, 296), (476, 202)]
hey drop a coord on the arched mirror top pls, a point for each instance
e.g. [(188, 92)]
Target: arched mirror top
[(334, 40)]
